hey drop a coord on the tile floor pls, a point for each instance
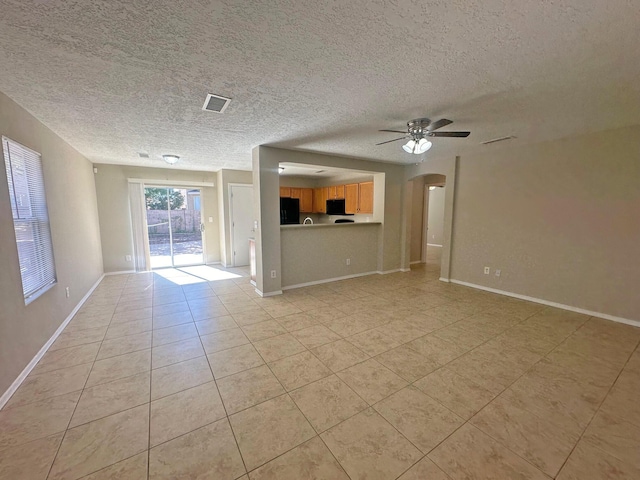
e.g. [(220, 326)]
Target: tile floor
[(168, 376)]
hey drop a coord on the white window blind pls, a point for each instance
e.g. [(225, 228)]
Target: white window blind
[(30, 218)]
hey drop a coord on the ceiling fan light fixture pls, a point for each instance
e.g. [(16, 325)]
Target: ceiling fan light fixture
[(410, 146), (423, 146), (171, 159)]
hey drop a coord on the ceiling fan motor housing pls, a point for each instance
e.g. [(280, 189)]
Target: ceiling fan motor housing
[(418, 127)]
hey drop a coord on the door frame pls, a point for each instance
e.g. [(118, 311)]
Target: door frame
[(231, 222), (179, 186)]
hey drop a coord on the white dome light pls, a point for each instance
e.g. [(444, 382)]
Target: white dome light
[(409, 146), (423, 146), (171, 159)]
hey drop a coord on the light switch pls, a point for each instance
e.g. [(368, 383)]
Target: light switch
[(210, 219)]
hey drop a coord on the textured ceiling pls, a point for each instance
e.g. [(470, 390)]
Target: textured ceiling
[(115, 78)]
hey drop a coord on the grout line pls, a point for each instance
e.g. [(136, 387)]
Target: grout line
[(604, 398), (224, 407), (79, 397)]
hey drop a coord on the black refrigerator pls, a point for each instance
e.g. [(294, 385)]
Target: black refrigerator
[(289, 211)]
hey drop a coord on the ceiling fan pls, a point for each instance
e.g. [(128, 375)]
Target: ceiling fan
[(417, 132)]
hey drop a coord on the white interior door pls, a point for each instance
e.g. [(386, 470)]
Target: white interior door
[(241, 221)]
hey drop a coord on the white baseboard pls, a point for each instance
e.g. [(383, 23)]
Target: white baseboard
[(433, 245), (34, 361), (442, 279), (387, 272), (327, 280), (269, 294), (606, 316), (416, 261), (121, 272)]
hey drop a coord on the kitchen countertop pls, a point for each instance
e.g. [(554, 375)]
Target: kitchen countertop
[(326, 225)]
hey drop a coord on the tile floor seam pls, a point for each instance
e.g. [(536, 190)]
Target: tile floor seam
[(235, 439), (509, 386), (79, 398), (150, 397), (305, 417), (604, 398)]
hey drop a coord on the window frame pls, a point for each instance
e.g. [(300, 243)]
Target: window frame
[(36, 224)]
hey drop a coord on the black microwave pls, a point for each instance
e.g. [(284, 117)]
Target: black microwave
[(336, 207)]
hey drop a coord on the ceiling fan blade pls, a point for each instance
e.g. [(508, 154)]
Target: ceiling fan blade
[(389, 141), (394, 131), (449, 134), (443, 122)]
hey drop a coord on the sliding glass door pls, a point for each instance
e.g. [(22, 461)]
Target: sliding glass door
[(174, 220)]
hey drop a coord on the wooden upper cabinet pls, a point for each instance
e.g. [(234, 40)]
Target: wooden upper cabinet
[(320, 200), (365, 197), (351, 198), (336, 192), (285, 191), (296, 192), (306, 200)]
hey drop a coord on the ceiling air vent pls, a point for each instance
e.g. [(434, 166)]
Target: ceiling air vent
[(143, 155), (216, 103), (496, 140)]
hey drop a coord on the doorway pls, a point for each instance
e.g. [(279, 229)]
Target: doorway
[(174, 226), (433, 238), (240, 222)]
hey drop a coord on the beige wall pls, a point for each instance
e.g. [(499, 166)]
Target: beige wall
[(71, 199), (435, 217), (224, 178), (115, 217), (560, 219), (331, 245), (417, 211)]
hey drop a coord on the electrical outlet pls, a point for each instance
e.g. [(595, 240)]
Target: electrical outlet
[(348, 261), (273, 274), (498, 272), (210, 219), (487, 270), (67, 292), (127, 258)]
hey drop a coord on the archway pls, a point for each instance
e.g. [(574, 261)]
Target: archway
[(427, 223)]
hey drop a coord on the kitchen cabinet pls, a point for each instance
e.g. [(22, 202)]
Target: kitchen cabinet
[(336, 192), (285, 192), (320, 200), (358, 197), (351, 198), (365, 197), (306, 200), (305, 195)]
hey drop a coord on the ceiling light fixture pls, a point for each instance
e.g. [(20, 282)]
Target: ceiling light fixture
[(171, 159), (410, 146), (280, 169), (417, 147)]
